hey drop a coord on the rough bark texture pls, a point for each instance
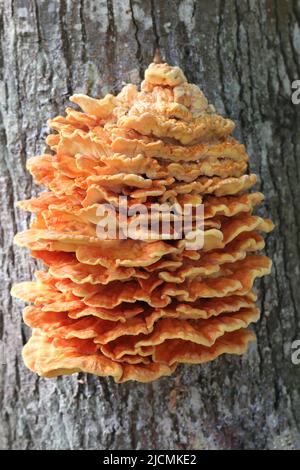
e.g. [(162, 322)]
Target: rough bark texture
[(244, 55)]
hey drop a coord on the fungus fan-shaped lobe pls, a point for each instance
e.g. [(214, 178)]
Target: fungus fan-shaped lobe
[(131, 308)]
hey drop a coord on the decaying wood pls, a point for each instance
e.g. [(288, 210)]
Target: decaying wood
[(244, 54)]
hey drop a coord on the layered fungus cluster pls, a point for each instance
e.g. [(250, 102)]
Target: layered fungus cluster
[(133, 308)]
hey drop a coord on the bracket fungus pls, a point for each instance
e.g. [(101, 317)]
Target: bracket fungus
[(133, 308)]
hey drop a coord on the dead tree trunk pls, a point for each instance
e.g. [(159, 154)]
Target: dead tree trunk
[(244, 55)]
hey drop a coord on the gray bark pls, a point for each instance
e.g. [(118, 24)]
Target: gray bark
[(244, 55)]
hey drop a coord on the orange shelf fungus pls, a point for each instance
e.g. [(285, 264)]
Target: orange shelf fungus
[(133, 307)]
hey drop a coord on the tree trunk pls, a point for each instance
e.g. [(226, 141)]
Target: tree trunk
[(244, 55)]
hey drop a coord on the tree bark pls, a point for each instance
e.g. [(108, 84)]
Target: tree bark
[(244, 55)]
